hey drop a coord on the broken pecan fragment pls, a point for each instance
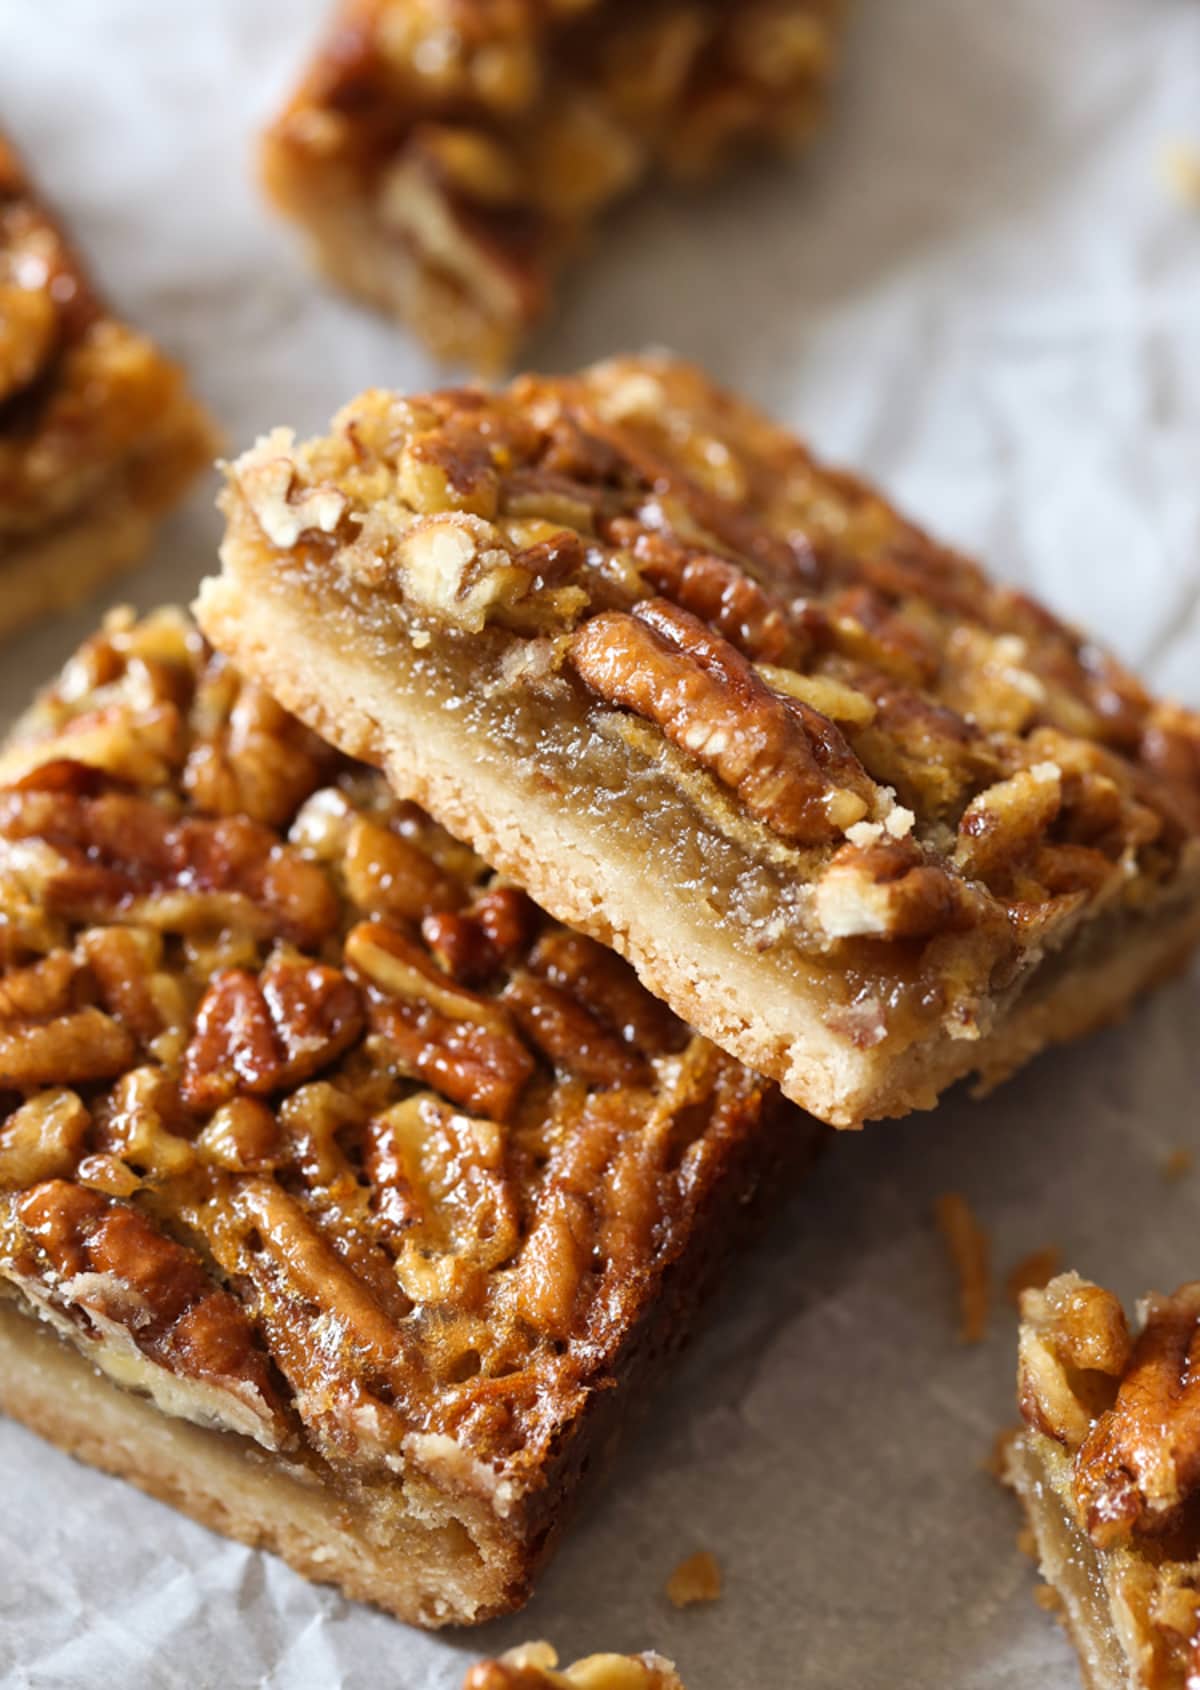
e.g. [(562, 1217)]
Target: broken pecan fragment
[(83, 1044), (455, 1040), (570, 1036), (888, 890), (102, 1261), (608, 986), (259, 1035), (1141, 1460), (1074, 1346), (42, 1139), (474, 944), (664, 664)]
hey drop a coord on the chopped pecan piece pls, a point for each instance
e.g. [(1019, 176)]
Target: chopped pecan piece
[(664, 664), (42, 1139), (103, 1262), (1141, 1460), (259, 1035), (476, 943), (451, 1038), (608, 986), (570, 1036), (1074, 1345), (534, 1666), (887, 888)]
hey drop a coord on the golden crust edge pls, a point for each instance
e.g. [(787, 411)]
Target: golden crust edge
[(838, 1084), (217, 1480)]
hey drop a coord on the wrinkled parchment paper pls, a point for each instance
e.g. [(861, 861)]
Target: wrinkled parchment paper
[(979, 289)]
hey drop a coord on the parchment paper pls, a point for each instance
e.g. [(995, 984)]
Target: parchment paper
[(978, 289)]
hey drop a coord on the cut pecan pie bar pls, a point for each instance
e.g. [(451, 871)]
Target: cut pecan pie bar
[(868, 820), (533, 1667), (99, 435), (354, 1198), (444, 156), (1108, 1469)]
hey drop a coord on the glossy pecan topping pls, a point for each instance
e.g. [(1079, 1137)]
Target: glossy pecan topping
[(319, 1083)]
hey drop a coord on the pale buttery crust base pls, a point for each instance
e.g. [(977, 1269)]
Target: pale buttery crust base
[(110, 532), (1070, 1565), (420, 1572), (767, 1020)]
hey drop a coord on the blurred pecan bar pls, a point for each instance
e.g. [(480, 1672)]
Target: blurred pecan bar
[(357, 1199), (1108, 1470), (445, 156), (99, 436), (532, 1667), (868, 820)]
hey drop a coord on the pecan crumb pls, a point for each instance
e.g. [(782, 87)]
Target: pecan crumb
[(1178, 1163), (696, 1580), (967, 1245)]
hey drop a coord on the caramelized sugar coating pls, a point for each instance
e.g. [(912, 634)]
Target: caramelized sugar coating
[(1113, 1435), (310, 1127), (445, 156), (894, 786), (533, 1667), (98, 434)]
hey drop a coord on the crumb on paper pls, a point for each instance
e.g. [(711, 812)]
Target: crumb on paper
[(1178, 1163), (1033, 1272), (996, 1460), (698, 1579), (1179, 165), (967, 1245)]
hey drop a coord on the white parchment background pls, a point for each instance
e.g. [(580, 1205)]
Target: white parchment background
[(978, 289)]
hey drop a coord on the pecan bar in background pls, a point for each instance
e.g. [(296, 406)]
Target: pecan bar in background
[(445, 156), (347, 1201), (868, 820), (1108, 1470), (532, 1667), (99, 435)]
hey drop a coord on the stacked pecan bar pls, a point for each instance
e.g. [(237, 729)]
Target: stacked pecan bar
[(99, 436), (354, 1198), (444, 156), (1108, 1470), (620, 630)]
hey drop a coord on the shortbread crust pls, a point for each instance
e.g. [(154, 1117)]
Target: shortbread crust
[(99, 436), (621, 632), (347, 1202)]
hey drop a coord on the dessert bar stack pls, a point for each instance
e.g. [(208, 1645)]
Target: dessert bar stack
[(369, 1137)]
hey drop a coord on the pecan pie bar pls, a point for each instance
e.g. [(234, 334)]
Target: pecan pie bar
[(354, 1197), (1108, 1470), (99, 436), (532, 1667), (445, 156), (868, 820)]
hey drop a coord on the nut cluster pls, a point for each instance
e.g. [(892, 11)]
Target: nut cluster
[(278, 1057)]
